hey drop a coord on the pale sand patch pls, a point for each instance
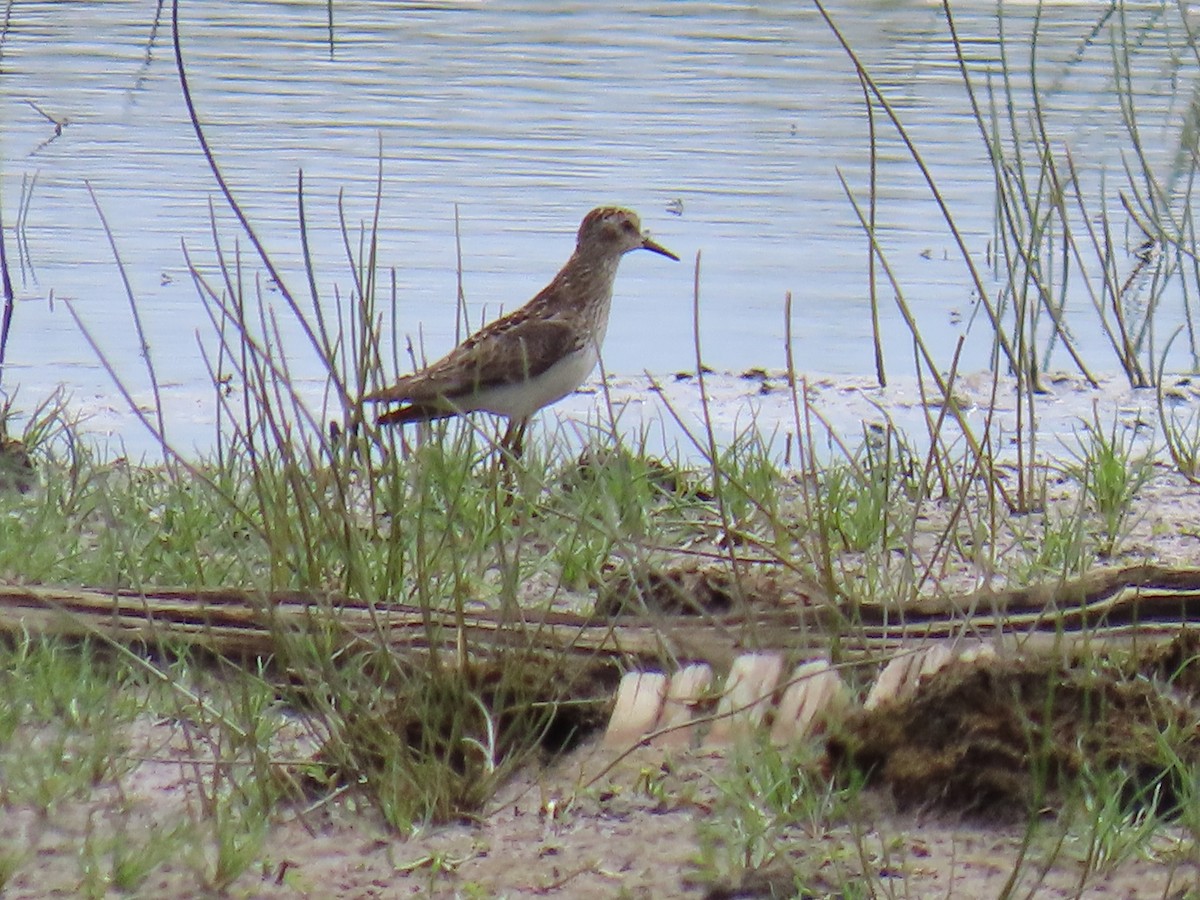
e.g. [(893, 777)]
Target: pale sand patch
[(611, 840)]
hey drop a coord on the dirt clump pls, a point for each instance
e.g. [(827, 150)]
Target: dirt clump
[(1000, 736)]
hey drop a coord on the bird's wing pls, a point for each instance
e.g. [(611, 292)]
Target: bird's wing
[(521, 349)]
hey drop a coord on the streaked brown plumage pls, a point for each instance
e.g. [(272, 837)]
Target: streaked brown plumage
[(537, 354)]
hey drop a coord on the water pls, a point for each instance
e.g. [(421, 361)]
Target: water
[(737, 116)]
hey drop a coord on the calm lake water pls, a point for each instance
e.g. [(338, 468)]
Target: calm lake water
[(725, 125)]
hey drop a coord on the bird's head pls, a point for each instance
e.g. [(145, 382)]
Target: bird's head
[(615, 230)]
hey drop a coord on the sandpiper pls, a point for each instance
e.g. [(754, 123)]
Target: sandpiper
[(535, 355)]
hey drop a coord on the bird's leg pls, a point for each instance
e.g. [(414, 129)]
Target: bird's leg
[(512, 445), (519, 441), (506, 441)]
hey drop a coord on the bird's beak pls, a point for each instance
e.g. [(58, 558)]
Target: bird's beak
[(648, 244)]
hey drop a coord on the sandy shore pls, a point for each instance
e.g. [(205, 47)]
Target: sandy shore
[(667, 409)]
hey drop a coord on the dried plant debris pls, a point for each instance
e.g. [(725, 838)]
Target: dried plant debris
[(593, 466), (694, 586), (16, 466), (687, 589), (999, 736)]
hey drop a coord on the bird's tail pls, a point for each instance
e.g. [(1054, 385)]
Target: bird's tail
[(414, 412)]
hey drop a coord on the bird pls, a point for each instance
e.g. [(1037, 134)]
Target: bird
[(535, 355)]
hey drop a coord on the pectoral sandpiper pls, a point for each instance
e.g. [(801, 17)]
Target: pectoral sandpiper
[(535, 355)]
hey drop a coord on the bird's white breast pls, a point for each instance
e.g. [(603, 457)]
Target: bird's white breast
[(522, 399)]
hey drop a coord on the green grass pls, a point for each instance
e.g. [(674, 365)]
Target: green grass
[(774, 807), (1110, 474)]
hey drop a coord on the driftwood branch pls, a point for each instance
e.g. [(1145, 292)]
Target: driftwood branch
[(1141, 602)]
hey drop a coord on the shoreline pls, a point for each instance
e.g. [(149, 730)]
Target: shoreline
[(755, 401)]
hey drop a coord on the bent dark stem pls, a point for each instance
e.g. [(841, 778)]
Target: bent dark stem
[(9, 301), (227, 193)]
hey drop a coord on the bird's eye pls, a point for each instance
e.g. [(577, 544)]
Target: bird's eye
[(628, 226)]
